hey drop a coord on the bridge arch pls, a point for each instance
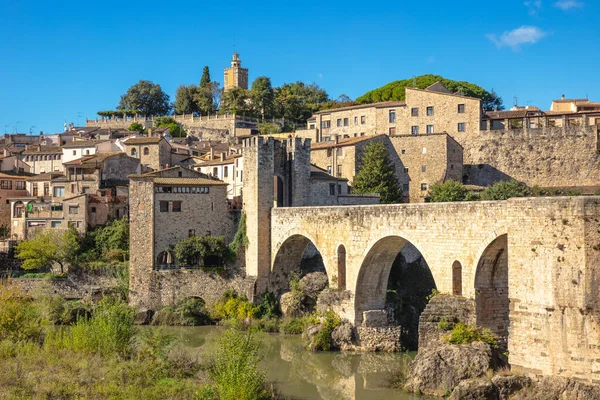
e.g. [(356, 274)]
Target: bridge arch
[(491, 287), (373, 274), (288, 259)]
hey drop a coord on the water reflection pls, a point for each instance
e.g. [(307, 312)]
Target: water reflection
[(303, 375)]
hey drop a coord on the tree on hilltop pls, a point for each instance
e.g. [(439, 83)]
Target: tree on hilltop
[(263, 97), (205, 80), (168, 122), (377, 174), (185, 100), (395, 91), (147, 98), (48, 247)]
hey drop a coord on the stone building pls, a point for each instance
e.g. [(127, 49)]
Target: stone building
[(44, 159), (153, 152), (574, 105), (229, 169), (11, 185), (166, 207), (235, 76)]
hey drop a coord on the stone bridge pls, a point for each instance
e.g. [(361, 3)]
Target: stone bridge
[(532, 266)]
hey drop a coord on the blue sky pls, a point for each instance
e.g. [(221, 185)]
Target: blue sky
[(64, 58)]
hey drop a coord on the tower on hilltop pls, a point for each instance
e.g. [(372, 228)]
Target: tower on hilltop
[(236, 76)]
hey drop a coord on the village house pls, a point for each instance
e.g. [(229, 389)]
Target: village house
[(11, 185), (228, 169), (43, 159), (82, 148), (153, 152)]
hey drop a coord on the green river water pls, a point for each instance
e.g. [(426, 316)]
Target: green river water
[(303, 375)]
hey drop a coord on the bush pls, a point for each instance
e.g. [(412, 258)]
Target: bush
[(197, 249), (186, 312), (234, 307), (137, 127), (322, 340), (504, 190), (235, 368), (295, 326), (447, 191), (19, 317), (464, 333)]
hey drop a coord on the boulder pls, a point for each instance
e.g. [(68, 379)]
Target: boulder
[(439, 370), (310, 333), (290, 305), (313, 283), (343, 336), (558, 388), (143, 317), (475, 389), (508, 385)]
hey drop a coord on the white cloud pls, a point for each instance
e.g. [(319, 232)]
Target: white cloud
[(517, 37), (568, 4), (533, 6)]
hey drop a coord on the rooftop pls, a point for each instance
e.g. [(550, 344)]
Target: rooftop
[(383, 104), (342, 142), (82, 143), (93, 160), (144, 140)]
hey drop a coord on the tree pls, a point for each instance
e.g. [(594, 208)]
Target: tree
[(235, 100), (448, 191), (147, 98), (168, 122), (196, 249), (297, 101), (377, 174), (263, 96), (205, 80), (48, 247), (504, 190), (185, 99), (395, 91), (137, 127)]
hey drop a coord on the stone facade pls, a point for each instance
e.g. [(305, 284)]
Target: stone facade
[(153, 152), (43, 159), (236, 76), (166, 207), (529, 265)]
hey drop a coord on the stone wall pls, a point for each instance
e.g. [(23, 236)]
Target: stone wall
[(443, 307), (546, 157)]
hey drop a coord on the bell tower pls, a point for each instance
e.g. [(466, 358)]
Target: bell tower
[(235, 76)]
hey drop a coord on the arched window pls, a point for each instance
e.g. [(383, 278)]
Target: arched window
[(341, 254), (456, 279), (165, 258), (18, 211), (146, 151), (215, 172), (133, 153)]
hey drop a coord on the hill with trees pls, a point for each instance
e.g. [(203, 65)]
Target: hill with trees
[(394, 91)]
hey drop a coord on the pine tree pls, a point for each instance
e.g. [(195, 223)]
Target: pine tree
[(205, 80), (377, 175)]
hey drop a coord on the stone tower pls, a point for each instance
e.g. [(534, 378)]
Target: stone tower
[(236, 76), (276, 173)]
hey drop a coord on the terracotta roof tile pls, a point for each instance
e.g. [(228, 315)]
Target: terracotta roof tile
[(144, 140), (189, 181), (82, 143), (342, 142)]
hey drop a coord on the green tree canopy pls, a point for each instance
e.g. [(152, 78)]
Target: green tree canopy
[(194, 250), (48, 247), (146, 97), (175, 129), (448, 191), (263, 97), (377, 174), (504, 190), (395, 91), (185, 99), (137, 127), (235, 100), (297, 101), (205, 80)]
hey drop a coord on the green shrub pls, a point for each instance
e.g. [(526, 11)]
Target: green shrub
[(187, 312), (445, 325), (240, 240), (322, 340), (295, 326), (447, 191), (504, 190), (235, 368), (269, 306), (154, 344), (19, 316), (464, 333), (234, 307)]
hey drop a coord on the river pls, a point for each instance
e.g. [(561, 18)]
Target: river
[(303, 375)]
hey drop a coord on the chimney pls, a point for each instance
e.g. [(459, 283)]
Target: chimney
[(222, 156), (212, 153), (563, 96)]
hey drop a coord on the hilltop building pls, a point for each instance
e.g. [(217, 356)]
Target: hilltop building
[(235, 76)]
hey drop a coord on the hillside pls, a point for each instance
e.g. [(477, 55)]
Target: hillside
[(394, 91)]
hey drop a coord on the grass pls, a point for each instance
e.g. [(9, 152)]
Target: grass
[(465, 333)]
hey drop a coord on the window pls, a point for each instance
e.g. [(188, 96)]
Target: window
[(403, 151), (429, 128), (339, 189), (414, 112), (363, 120), (55, 224), (362, 134), (47, 189), (325, 124), (73, 210), (392, 131), (346, 123), (146, 151), (392, 118), (191, 233), (430, 111), (59, 191), (225, 172), (339, 122), (329, 152), (72, 188), (424, 150), (164, 206), (176, 206), (332, 189), (179, 174), (414, 130), (85, 189), (93, 209), (133, 153), (34, 188), (74, 152), (87, 152), (339, 173), (6, 185), (405, 187), (423, 168), (20, 185), (461, 126), (423, 186), (215, 172), (329, 169), (340, 152), (461, 108), (406, 170), (355, 120)]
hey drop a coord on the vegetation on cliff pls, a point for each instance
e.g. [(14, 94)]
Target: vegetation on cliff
[(395, 91)]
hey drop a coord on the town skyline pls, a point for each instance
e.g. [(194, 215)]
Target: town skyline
[(518, 37)]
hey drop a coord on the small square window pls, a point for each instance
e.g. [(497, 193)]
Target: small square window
[(93, 209), (406, 170), (339, 122), (392, 116), (392, 131), (405, 187), (329, 169), (176, 206), (73, 209), (423, 186), (74, 152), (461, 108), (430, 111), (429, 129), (164, 206), (355, 120), (362, 134), (461, 126), (363, 120), (414, 130), (423, 168), (346, 123), (424, 150), (403, 151), (414, 112)]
